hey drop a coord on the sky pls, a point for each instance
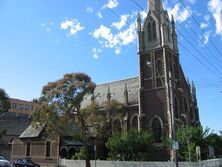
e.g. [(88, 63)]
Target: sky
[(41, 40)]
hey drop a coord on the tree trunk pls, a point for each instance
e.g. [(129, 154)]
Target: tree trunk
[(87, 158)]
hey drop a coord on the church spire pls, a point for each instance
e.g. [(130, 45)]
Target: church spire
[(108, 95), (174, 35), (126, 94), (155, 6), (138, 22)]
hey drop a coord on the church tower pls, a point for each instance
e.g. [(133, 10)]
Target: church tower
[(158, 57)]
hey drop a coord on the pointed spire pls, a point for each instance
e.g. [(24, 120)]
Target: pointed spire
[(172, 19), (138, 22), (155, 5), (173, 24), (188, 82), (126, 94), (193, 88), (108, 94)]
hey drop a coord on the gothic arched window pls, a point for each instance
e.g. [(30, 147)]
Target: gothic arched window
[(154, 30), (156, 129), (185, 106), (176, 108), (159, 68), (135, 122), (149, 32), (168, 33), (159, 73), (148, 70)]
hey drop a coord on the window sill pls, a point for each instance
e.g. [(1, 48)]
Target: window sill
[(48, 158)]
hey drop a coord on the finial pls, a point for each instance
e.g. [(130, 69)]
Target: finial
[(126, 94), (108, 94), (138, 22), (188, 81), (172, 19), (193, 88)]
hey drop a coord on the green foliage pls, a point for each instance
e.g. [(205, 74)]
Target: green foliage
[(80, 154), (4, 102), (60, 102), (60, 105), (189, 137), (215, 140), (133, 146)]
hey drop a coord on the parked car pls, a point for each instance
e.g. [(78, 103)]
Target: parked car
[(4, 162), (25, 163)]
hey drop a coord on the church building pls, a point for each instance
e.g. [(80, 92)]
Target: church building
[(160, 98)]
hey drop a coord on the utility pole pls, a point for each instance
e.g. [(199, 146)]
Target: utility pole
[(171, 87)]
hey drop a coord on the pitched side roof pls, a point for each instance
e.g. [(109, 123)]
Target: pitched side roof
[(13, 125), (117, 91), (32, 132)]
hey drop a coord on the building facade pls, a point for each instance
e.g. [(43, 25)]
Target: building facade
[(13, 123), (160, 98), (22, 108)]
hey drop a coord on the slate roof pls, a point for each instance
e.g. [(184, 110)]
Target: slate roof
[(32, 132), (13, 125), (66, 142), (117, 92)]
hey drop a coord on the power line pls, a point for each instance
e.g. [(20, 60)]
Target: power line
[(196, 21), (205, 46), (198, 59), (164, 30), (200, 53), (206, 66)]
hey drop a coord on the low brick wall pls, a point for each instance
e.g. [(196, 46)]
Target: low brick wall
[(81, 163)]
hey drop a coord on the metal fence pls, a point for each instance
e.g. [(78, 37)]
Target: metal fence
[(98, 163)]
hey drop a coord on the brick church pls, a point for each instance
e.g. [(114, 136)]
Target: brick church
[(160, 95), (158, 100)]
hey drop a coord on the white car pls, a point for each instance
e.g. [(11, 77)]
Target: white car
[(4, 162)]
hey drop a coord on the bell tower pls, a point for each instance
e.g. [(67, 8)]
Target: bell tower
[(157, 49)]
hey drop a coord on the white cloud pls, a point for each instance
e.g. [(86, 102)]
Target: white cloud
[(117, 51), (178, 13), (89, 9), (99, 14), (48, 29), (111, 4), (108, 39), (121, 23), (204, 25), (47, 26), (215, 7), (205, 38), (72, 25), (95, 52), (207, 17)]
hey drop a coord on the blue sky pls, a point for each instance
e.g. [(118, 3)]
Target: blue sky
[(40, 40)]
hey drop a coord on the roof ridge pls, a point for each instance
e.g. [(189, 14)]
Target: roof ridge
[(106, 83)]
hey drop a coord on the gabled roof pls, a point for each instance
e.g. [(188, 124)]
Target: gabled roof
[(13, 125), (32, 132), (117, 92)]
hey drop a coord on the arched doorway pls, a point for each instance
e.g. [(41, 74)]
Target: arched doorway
[(63, 153)]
